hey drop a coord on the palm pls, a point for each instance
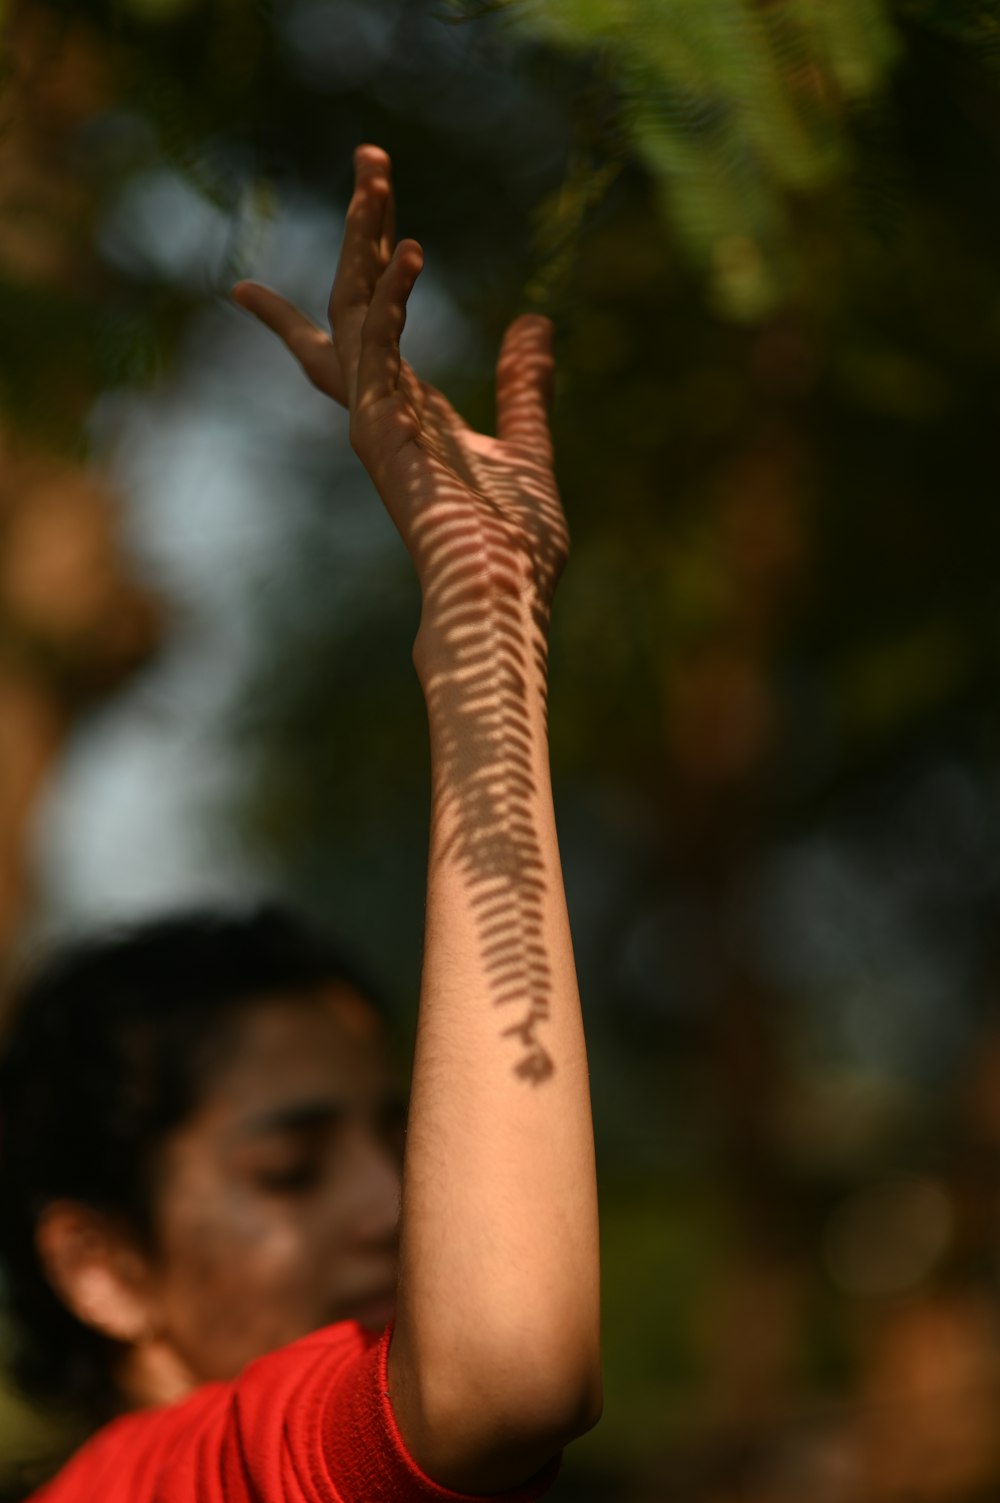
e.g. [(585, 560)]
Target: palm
[(454, 494), (439, 477)]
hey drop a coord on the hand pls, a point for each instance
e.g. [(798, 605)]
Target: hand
[(480, 515)]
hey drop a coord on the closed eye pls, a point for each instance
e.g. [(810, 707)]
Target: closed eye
[(289, 1179)]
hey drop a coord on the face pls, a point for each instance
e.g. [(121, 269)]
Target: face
[(279, 1198)]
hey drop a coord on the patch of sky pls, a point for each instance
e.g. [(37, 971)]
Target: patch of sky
[(224, 468), (160, 227), (123, 829), (341, 45), (877, 926), (412, 59), (670, 962), (478, 79)]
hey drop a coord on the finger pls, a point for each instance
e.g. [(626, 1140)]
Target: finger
[(380, 364), (525, 373), (387, 243), (373, 162), (359, 267), (311, 346)]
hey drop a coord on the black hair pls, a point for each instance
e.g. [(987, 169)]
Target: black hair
[(113, 1040)]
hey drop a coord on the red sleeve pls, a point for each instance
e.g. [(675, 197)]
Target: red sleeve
[(310, 1423), (339, 1441)]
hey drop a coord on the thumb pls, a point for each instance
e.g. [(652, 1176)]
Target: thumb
[(525, 371)]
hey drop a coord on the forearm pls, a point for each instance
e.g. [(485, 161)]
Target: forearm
[(494, 1361), (497, 1338)]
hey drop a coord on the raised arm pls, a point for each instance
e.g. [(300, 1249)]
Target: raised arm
[(494, 1363)]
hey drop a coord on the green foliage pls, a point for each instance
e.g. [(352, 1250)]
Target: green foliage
[(738, 110), (734, 109), (976, 22)]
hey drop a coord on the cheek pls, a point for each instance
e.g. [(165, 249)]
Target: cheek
[(222, 1235), (241, 1271), (239, 1276)]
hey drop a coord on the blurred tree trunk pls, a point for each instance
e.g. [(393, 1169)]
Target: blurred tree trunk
[(73, 622)]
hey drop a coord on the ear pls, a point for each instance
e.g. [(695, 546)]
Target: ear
[(96, 1270)]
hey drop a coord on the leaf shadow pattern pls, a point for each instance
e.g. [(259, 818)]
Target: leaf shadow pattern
[(488, 598)]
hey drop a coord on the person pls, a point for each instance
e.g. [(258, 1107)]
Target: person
[(218, 1083), (234, 1282)]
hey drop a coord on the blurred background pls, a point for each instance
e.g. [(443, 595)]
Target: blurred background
[(769, 231)]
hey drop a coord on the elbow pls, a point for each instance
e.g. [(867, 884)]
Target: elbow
[(563, 1416), (526, 1399), (547, 1388), (494, 1425), (498, 1446), (548, 1398), (591, 1406), (562, 1393)]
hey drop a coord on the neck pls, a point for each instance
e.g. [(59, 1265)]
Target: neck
[(151, 1373)]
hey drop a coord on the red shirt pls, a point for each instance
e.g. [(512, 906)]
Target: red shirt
[(310, 1423)]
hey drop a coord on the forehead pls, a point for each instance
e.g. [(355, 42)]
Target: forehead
[(304, 1045)]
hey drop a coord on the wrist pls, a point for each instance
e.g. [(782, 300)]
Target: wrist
[(496, 635)]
